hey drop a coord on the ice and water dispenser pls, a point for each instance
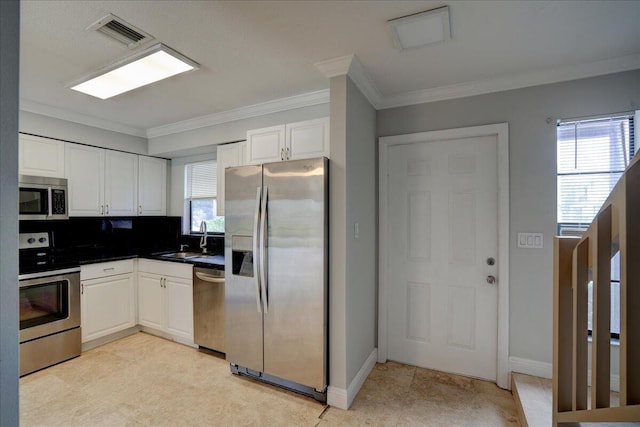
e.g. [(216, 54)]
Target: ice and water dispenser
[(242, 255)]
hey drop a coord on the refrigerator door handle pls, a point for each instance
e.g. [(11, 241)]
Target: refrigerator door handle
[(263, 249), (256, 229)]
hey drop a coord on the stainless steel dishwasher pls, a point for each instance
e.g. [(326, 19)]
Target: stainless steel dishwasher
[(208, 308)]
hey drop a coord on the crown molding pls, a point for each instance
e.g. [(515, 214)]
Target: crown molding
[(482, 87), (335, 67), (83, 119), (275, 106), (351, 66)]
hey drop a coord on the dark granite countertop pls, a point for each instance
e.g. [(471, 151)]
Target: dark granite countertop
[(206, 261)]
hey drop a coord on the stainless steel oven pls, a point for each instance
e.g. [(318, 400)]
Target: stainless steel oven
[(42, 198), (49, 318)]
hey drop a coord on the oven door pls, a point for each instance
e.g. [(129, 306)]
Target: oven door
[(49, 305)]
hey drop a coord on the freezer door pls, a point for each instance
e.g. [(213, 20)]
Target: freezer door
[(243, 337), (295, 325)]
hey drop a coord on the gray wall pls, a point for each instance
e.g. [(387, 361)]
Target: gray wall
[(361, 275), (190, 142), (51, 127), (532, 158), (338, 234), (352, 285), (9, 65)]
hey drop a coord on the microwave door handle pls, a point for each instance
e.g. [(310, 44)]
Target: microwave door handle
[(49, 202)]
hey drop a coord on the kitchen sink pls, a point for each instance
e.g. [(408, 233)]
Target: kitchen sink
[(182, 255)]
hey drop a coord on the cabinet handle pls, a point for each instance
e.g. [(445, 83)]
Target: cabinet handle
[(107, 209), (108, 269), (82, 289), (282, 154), (139, 209), (101, 209), (288, 154)]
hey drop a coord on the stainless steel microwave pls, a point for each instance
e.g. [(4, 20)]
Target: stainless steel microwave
[(42, 198)]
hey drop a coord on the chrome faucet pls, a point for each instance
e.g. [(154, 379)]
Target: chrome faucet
[(203, 239)]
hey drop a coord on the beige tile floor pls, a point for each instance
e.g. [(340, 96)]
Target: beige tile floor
[(143, 380)]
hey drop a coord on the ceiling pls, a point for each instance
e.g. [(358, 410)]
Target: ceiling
[(252, 52)]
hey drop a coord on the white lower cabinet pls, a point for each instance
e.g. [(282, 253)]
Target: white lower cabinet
[(165, 298), (108, 298)]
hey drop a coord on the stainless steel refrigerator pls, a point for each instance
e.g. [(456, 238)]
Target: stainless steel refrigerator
[(276, 254)]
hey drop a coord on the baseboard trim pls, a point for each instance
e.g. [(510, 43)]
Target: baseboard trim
[(341, 398), (89, 345), (531, 367), (545, 370)]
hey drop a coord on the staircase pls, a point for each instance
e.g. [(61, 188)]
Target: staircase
[(578, 261)]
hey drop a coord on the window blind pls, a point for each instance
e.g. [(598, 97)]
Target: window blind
[(200, 180), (592, 155)]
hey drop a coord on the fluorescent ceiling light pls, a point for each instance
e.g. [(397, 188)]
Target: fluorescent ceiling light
[(147, 66), (420, 29)]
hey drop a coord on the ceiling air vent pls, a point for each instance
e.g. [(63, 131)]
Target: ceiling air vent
[(120, 30)]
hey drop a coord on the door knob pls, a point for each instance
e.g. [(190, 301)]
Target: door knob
[(491, 280)]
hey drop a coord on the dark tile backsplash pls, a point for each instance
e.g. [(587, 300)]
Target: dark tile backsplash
[(135, 235)]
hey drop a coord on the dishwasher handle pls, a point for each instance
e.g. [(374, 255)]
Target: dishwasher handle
[(209, 278)]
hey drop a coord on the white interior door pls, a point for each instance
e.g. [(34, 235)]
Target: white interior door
[(442, 240)]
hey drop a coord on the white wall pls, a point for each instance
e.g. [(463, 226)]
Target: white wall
[(50, 127), (9, 65), (191, 142), (532, 176)]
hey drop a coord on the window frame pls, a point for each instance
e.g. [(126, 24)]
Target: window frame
[(187, 201), (576, 229)]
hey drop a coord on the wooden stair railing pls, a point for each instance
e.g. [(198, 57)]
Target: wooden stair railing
[(577, 261)]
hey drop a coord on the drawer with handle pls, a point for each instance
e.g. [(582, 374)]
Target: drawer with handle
[(104, 269)]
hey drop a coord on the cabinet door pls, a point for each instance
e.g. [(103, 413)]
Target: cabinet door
[(152, 186), (229, 155), (41, 156), (150, 300), (107, 306), (179, 303), (121, 184), (84, 169), (307, 139), (265, 145)]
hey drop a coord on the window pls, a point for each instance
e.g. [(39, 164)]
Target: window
[(592, 156), (200, 197)]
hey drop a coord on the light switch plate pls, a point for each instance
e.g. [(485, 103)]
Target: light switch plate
[(530, 240)]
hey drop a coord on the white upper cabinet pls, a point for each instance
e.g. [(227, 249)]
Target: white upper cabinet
[(84, 167), (300, 140), (152, 186), (229, 155), (309, 139), (121, 183), (265, 145), (101, 182), (41, 156)]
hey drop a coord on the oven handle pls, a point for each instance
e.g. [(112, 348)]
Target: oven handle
[(45, 275)]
